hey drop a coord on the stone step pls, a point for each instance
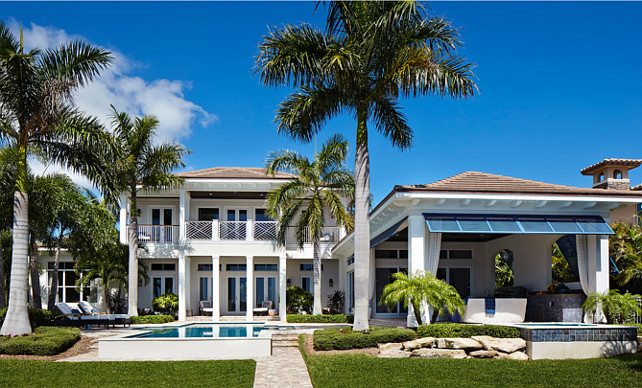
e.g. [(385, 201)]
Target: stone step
[(285, 344)]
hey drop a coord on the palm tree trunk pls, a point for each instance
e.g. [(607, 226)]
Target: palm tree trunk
[(132, 276), (361, 224), (17, 318), (106, 293), (317, 307), (35, 276), (416, 308), (53, 288), (3, 289)]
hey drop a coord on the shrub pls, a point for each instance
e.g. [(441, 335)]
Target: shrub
[(298, 299), (336, 301), (167, 304), (37, 317), (615, 306), (307, 318), (152, 319), (46, 341), (340, 339), (444, 330)]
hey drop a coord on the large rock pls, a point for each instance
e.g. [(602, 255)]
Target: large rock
[(519, 356), (389, 347), (394, 354), (426, 342), (506, 345), (458, 343), (483, 354), (438, 353), (639, 343)]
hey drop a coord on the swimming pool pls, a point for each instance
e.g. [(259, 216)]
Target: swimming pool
[(228, 340)]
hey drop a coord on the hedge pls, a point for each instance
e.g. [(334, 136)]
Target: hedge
[(340, 339), (46, 341), (152, 319), (37, 317), (308, 318), (444, 330)]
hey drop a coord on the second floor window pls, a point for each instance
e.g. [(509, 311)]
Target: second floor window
[(207, 214), (261, 215)]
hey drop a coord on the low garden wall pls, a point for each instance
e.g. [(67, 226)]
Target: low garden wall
[(473, 347)]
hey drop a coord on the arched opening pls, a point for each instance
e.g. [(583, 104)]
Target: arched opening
[(564, 260), (504, 276), (617, 174), (600, 177)]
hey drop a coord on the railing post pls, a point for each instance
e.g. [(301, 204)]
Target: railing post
[(249, 230), (182, 214), (215, 230)]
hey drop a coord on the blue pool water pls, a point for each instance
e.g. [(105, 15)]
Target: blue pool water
[(212, 330), (556, 324)]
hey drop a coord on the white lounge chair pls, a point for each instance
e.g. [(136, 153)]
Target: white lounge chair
[(75, 317), (88, 309), (265, 308), (507, 310), (205, 306)]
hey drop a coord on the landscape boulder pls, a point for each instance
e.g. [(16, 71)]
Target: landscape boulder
[(438, 353), (483, 354), (426, 342), (506, 345), (519, 356), (391, 347), (458, 343)]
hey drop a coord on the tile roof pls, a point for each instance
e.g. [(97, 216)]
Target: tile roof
[(612, 162), (234, 173), (480, 182)]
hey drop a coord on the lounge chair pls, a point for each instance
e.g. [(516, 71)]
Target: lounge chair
[(495, 310), (75, 317), (205, 306), (265, 308), (119, 319)]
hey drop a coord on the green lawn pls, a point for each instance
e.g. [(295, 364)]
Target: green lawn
[(27, 373), (358, 370)]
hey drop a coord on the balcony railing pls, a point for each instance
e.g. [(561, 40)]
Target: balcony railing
[(158, 233), (250, 231)]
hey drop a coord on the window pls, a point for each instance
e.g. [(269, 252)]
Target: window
[(386, 254), (456, 254), (617, 174), (208, 214), (202, 289), (67, 277), (236, 267), (204, 267), (163, 267), (162, 285), (265, 290), (306, 283), (261, 215), (350, 260), (305, 267), (266, 267), (600, 178), (458, 278)]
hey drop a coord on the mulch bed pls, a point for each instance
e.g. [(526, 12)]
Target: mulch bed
[(308, 345), (80, 347)]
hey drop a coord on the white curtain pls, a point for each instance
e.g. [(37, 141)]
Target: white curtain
[(582, 261), (434, 247)]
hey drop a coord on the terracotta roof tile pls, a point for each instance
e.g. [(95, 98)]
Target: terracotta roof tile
[(233, 173), (480, 182), (612, 162)]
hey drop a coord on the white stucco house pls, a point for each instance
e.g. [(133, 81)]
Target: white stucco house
[(210, 239)]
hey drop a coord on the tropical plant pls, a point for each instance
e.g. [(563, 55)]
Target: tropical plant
[(319, 188), (336, 301), (37, 117), (422, 288), (625, 248), (562, 272), (141, 165), (297, 299), (370, 54), (617, 308), (167, 304), (503, 273)]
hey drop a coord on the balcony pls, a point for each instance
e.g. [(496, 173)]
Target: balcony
[(158, 233), (249, 231)]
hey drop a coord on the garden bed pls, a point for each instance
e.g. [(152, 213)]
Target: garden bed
[(45, 341), (309, 318), (452, 330), (345, 338)]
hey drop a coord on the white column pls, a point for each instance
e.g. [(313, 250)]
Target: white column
[(599, 263), (249, 287), (182, 210), (123, 219), (188, 284), (249, 230), (416, 254), (282, 287), (181, 288), (216, 289)]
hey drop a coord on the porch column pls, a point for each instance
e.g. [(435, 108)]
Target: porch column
[(598, 263), (182, 313), (123, 219), (249, 287), (182, 214), (188, 284), (416, 255), (282, 290), (216, 289)]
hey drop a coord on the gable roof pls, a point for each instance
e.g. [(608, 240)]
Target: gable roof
[(611, 162), (480, 182), (234, 173)]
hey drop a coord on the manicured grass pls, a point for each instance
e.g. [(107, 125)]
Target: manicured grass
[(359, 370), (224, 373)]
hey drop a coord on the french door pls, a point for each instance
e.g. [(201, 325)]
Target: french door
[(236, 294), (235, 227), (265, 290), (162, 225), (383, 277)]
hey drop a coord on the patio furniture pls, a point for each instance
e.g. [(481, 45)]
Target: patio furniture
[(205, 306), (503, 310), (265, 307), (119, 319), (76, 318)]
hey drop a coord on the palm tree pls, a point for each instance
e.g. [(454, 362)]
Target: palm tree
[(37, 117), (626, 249), (370, 54), (615, 307), (141, 165), (319, 185), (419, 289)]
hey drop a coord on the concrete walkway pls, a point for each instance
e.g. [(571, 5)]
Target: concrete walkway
[(285, 368)]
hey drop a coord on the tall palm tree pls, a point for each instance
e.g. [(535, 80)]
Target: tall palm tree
[(37, 117), (319, 188), (141, 165), (370, 54)]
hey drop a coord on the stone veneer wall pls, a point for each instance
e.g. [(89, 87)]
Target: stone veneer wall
[(554, 308)]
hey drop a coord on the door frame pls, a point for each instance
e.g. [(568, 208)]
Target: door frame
[(238, 289)]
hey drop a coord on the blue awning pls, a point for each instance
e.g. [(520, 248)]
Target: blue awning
[(386, 234), (516, 224)]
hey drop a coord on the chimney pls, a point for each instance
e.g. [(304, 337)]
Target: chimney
[(612, 173)]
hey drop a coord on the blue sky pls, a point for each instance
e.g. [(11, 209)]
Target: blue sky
[(560, 84)]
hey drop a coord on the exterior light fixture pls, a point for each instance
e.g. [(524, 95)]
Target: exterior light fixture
[(331, 283)]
